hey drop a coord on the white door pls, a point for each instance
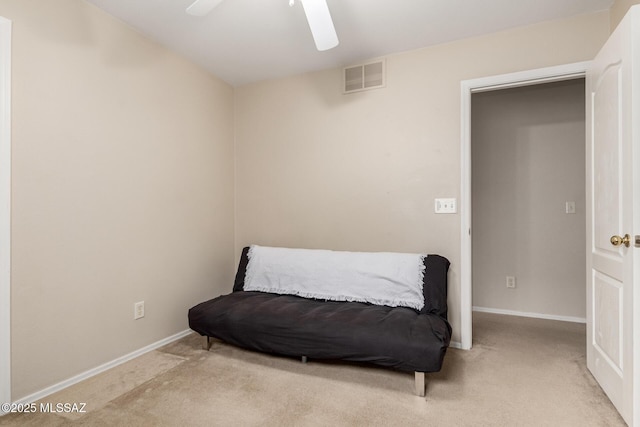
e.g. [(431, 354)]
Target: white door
[(613, 268)]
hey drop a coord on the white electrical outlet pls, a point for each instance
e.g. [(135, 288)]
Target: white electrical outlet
[(138, 310), (511, 282)]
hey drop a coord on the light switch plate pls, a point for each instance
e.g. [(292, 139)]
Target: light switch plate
[(570, 207), (445, 206)]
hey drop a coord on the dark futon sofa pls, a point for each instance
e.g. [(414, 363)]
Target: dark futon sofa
[(396, 337)]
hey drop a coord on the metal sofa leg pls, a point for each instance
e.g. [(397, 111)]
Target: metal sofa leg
[(206, 343), (420, 384)]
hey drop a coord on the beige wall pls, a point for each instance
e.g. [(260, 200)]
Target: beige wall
[(528, 160), (618, 10), (316, 168), (122, 190)]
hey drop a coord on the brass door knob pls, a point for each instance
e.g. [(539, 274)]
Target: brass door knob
[(617, 240)]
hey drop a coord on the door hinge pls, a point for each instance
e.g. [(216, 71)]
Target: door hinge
[(637, 239)]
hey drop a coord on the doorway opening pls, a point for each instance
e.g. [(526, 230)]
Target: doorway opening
[(528, 198), (469, 87)]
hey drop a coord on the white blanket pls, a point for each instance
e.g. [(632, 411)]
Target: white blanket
[(382, 278)]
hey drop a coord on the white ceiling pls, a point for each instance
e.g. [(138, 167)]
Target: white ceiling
[(244, 41)]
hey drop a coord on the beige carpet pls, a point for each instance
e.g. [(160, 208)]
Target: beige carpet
[(521, 372)]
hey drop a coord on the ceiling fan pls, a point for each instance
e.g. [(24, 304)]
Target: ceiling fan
[(317, 12)]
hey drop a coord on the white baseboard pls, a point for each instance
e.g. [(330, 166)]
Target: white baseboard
[(99, 369), (458, 345), (534, 315)]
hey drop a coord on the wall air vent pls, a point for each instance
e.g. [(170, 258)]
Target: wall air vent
[(364, 77)]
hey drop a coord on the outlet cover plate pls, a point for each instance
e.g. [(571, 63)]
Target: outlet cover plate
[(138, 310)]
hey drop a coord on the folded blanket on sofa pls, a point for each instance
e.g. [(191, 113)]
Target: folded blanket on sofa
[(381, 278)]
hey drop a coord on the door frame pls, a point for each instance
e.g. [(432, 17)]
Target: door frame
[(5, 210), (469, 87)]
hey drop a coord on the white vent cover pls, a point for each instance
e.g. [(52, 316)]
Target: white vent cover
[(364, 77)]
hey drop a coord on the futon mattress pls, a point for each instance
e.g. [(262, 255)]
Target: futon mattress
[(398, 337)]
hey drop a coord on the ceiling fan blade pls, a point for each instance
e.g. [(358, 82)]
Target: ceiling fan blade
[(202, 7), (320, 23)]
